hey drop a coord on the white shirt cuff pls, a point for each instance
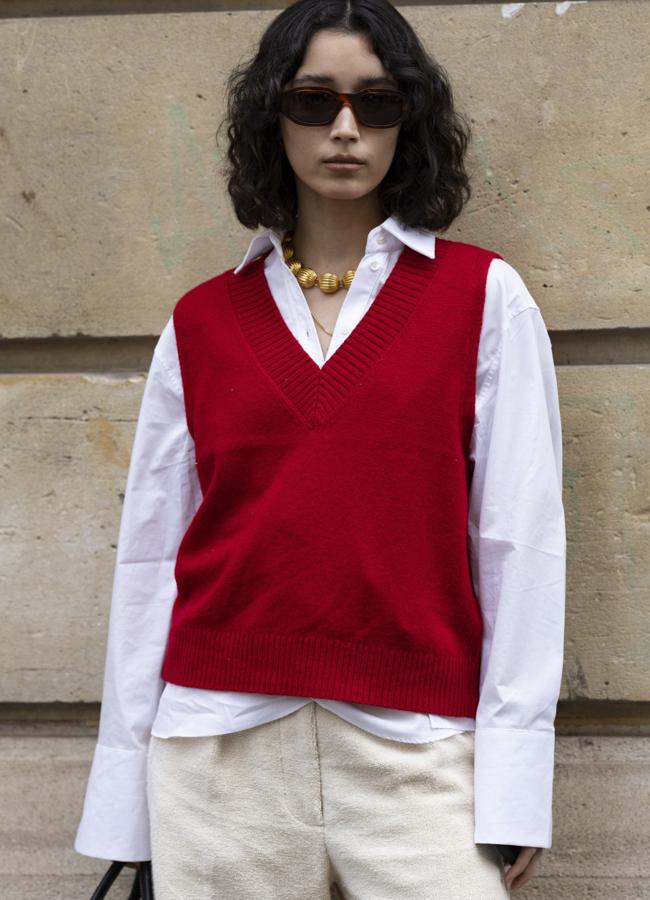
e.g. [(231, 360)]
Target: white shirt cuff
[(115, 820), (513, 786)]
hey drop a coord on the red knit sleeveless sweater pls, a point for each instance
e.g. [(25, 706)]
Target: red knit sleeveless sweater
[(329, 555)]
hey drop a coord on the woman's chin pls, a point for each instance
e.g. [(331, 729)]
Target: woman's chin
[(337, 188)]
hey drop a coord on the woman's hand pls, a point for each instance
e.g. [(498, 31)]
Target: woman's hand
[(523, 868)]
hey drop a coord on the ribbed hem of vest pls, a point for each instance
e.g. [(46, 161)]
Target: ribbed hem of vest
[(312, 666)]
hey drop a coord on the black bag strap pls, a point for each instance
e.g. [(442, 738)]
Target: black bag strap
[(136, 893), (142, 888), (146, 881)]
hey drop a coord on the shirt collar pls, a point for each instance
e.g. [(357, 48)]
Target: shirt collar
[(418, 239)]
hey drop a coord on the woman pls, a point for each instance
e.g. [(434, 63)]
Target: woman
[(336, 631)]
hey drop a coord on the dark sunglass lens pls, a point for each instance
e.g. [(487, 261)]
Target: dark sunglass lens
[(310, 107), (380, 108)]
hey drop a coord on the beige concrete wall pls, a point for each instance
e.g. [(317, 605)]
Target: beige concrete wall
[(110, 164), (112, 208)]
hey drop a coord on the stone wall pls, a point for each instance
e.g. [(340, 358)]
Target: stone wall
[(112, 208)]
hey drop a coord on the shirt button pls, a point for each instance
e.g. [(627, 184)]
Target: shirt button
[(374, 265), (381, 238)]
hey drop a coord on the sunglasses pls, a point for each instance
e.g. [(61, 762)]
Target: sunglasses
[(320, 106)]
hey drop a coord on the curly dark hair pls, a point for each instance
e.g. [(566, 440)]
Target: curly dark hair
[(426, 185)]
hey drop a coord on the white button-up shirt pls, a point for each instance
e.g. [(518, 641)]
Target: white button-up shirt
[(517, 554)]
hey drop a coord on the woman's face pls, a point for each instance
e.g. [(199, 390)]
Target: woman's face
[(341, 62)]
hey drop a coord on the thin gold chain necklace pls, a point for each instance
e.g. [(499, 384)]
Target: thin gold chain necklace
[(307, 278)]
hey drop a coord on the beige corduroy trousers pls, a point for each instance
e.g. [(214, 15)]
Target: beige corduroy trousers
[(310, 807)]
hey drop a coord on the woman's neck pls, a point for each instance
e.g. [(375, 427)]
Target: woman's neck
[(331, 235)]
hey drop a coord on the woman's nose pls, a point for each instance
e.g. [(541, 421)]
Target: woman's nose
[(345, 122)]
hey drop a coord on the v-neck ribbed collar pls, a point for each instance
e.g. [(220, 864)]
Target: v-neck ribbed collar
[(315, 392)]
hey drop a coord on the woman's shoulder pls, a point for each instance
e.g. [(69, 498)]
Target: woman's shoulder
[(204, 295), (505, 285), (464, 248)]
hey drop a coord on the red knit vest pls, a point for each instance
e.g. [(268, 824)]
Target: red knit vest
[(329, 555)]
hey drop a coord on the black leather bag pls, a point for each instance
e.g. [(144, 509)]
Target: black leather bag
[(142, 888)]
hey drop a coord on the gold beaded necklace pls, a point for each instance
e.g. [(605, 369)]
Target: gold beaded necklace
[(327, 282)]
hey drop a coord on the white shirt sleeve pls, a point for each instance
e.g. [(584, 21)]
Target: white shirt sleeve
[(162, 494), (517, 546)]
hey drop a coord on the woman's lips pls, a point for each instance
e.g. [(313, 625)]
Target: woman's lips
[(343, 166)]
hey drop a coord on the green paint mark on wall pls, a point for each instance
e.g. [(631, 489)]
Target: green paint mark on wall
[(195, 187)]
